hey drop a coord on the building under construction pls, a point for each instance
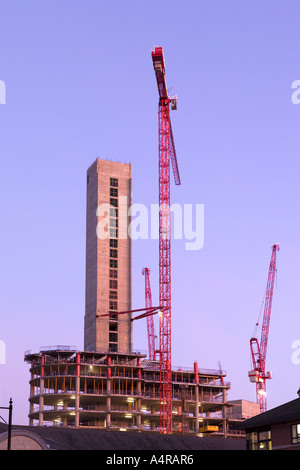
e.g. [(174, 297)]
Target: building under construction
[(122, 391), (108, 385)]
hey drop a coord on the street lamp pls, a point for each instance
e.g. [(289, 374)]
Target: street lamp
[(9, 408)]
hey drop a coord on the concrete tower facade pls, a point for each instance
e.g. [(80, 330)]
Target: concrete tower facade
[(108, 258)]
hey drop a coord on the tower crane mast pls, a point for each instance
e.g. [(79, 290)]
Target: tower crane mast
[(258, 349), (167, 156)]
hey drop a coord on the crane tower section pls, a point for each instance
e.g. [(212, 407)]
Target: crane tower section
[(167, 156)]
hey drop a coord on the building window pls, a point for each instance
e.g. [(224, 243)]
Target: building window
[(113, 212), (113, 223), (113, 273), (113, 326), (113, 317), (113, 305), (114, 192), (114, 182), (113, 253), (113, 243), (113, 233), (113, 263), (113, 294), (113, 337), (113, 347), (113, 202), (295, 433), (259, 440), (113, 284)]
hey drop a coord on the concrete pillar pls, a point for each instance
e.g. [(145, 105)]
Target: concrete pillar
[(196, 379), (108, 393), (31, 405), (65, 419), (139, 413), (41, 399), (108, 411), (197, 409), (139, 392), (77, 390), (180, 417)]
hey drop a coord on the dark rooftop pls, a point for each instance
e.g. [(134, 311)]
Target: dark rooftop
[(99, 439), (284, 413)]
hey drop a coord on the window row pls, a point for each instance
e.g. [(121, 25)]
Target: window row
[(113, 264)]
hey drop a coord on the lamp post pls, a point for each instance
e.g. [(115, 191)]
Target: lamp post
[(9, 408)]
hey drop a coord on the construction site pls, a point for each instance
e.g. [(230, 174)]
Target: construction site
[(108, 385)]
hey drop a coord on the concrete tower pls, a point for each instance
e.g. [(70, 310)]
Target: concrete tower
[(108, 257)]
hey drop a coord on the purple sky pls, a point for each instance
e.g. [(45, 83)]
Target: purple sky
[(80, 84)]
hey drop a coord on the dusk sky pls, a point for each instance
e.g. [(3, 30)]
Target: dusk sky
[(79, 84)]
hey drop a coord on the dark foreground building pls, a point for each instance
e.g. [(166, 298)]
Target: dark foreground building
[(276, 429), (53, 438)]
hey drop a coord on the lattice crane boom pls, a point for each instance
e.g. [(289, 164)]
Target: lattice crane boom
[(164, 101), (258, 349)]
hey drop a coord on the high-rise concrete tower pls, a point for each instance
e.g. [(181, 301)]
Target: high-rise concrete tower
[(108, 257)]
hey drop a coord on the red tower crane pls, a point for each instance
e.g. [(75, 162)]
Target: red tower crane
[(167, 156), (259, 350), (150, 321)]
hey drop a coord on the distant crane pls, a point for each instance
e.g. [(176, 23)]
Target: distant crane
[(167, 155), (150, 321), (258, 374)]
